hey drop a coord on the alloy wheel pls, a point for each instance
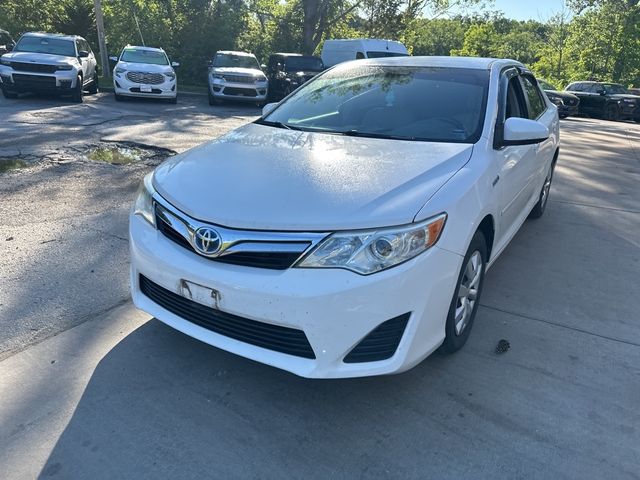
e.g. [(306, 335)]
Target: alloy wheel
[(468, 292)]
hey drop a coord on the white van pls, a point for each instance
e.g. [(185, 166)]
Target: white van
[(337, 51)]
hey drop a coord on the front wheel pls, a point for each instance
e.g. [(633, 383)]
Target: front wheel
[(466, 296), (76, 97), (9, 95), (93, 89), (539, 208), (612, 113)]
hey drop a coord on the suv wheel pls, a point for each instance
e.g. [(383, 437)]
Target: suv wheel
[(7, 94), (611, 112), (93, 89), (538, 208), (212, 100), (77, 92)]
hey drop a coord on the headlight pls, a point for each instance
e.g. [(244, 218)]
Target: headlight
[(261, 79), (6, 63), (144, 201), (171, 75), (120, 71), (65, 67), (556, 101), (370, 251)]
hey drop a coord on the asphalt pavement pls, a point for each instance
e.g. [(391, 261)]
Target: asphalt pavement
[(92, 388)]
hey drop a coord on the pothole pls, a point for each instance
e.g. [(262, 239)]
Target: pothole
[(123, 154), (12, 163)]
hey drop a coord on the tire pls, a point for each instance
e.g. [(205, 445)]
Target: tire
[(538, 209), (611, 112), (471, 277), (119, 98), (562, 117), (9, 95), (76, 97), (173, 100), (212, 100), (93, 89)]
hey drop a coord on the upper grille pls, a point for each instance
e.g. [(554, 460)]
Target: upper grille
[(272, 260), (381, 343), (273, 337), (34, 67), (145, 78), (239, 78), (570, 102)]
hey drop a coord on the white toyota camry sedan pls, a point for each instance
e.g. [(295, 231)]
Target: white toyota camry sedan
[(347, 231)]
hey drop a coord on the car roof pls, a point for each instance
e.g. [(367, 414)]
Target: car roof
[(293, 55), (49, 35), (149, 49), (476, 63), (234, 52)]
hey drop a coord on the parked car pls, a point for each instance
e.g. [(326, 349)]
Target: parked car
[(287, 71), (6, 42), (236, 76), (347, 231), (49, 63), (144, 72), (338, 51), (566, 102), (610, 101)]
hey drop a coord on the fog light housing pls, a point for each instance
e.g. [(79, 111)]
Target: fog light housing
[(65, 83)]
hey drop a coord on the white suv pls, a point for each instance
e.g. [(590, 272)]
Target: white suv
[(144, 72), (49, 63), (237, 76)]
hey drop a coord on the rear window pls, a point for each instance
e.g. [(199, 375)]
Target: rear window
[(385, 54), (52, 46)]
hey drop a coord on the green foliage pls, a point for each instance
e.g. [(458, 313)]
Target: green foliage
[(597, 39)]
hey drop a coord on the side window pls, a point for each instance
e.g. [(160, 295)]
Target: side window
[(86, 46), (78, 47), (359, 56), (515, 100), (537, 105)]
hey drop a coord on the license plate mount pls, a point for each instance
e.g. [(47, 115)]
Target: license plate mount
[(198, 293), (145, 88)]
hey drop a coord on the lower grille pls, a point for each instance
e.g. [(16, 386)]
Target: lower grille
[(36, 81), (240, 92), (270, 260), (381, 343), (272, 337), (145, 78)]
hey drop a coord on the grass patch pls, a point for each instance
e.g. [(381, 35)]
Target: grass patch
[(116, 155), (10, 163)]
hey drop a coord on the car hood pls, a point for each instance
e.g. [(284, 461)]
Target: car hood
[(266, 178), (42, 58), (561, 94), (145, 67), (238, 71)]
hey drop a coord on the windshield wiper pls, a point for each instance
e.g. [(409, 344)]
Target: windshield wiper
[(357, 133), (270, 123)]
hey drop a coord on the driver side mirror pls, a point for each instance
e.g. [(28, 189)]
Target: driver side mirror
[(9, 47), (602, 92), (268, 108), (522, 131), (175, 64), (113, 59), (263, 66), (83, 54)]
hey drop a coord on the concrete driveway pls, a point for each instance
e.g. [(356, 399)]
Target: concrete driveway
[(102, 391)]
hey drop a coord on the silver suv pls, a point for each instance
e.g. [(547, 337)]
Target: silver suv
[(49, 63), (236, 76)]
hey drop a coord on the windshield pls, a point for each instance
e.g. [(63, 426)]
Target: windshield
[(224, 60), (152, 57), (299, 64), (385, 54), (53, 46), (613, 88), (546, 85), (410, 103)]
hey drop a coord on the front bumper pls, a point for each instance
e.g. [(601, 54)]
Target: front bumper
[(248, 92), (61, 82), (334, 308), (126, 88)]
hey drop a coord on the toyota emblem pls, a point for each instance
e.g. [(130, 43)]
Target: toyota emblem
[(206, 241)]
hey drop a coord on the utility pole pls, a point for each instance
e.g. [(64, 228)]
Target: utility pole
[(104, 56)]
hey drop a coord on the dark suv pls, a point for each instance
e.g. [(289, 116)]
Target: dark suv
[(6, 42), (567, 103), (610, 101), (287, 71)]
